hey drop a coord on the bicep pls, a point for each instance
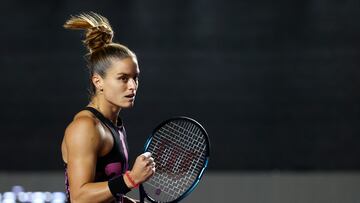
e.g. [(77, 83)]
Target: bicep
[(82, 143)]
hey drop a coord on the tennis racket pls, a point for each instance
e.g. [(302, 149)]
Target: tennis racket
[(180, 147)]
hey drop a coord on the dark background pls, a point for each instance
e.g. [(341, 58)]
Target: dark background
[(275, 83)]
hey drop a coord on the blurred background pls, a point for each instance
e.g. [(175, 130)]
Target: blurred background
[(275, 83)]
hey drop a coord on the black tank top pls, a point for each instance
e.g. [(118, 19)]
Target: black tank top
[(114, 163)]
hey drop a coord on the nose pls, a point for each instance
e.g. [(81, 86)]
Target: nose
[(132, 84)]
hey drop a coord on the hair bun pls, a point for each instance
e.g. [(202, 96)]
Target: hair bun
[(98, 32), (98, 37)]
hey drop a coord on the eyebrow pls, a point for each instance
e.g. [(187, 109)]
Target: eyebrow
[(125, 74)]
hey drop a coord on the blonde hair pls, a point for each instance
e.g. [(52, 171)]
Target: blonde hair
[(98, 40)]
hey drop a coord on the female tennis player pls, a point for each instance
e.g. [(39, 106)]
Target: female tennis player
[(94, 148)]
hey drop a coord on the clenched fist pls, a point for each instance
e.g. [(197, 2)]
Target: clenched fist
[(143, 169)]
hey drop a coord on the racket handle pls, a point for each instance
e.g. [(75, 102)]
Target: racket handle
[(142, 195)]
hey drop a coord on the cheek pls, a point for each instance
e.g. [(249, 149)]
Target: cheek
[(115, 85), (115, 89)]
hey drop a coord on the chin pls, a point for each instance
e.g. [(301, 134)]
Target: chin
[(127, 105)]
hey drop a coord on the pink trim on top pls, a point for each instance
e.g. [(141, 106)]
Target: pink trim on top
[(122, 139)]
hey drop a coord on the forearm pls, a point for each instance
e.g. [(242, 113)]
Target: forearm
[(101, 191), (92, 192)]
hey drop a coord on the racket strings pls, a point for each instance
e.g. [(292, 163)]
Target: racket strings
[(196, 145), (179, 182), (179, 151), (190, 136)]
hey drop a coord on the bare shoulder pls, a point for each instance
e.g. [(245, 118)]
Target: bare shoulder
[(83, 130)]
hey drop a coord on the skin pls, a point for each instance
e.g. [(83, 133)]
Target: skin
[(86, 138)]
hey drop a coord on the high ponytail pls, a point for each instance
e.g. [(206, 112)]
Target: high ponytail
[(98, 31), (98, 41)]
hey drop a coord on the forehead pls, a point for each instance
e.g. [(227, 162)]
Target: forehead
[(126, 66)]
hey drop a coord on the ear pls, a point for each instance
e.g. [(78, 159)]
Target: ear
[(97, 81)]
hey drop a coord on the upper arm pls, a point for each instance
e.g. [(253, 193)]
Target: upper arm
[(83, 141)]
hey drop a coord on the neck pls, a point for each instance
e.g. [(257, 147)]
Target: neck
[(107, 109)]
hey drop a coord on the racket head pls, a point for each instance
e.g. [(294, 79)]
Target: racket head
[(181, 149)]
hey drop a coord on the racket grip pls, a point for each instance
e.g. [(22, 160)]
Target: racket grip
[(142, 193)]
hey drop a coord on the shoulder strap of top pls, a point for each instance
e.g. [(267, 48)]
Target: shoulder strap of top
[(103, 119)]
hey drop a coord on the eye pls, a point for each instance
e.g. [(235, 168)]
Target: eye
[(123, 78)]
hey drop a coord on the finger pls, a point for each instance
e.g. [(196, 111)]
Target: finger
[(150, 161), (146, 155), (150, 165), (150, 168)]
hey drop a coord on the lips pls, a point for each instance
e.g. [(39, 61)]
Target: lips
[(130, 96)]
